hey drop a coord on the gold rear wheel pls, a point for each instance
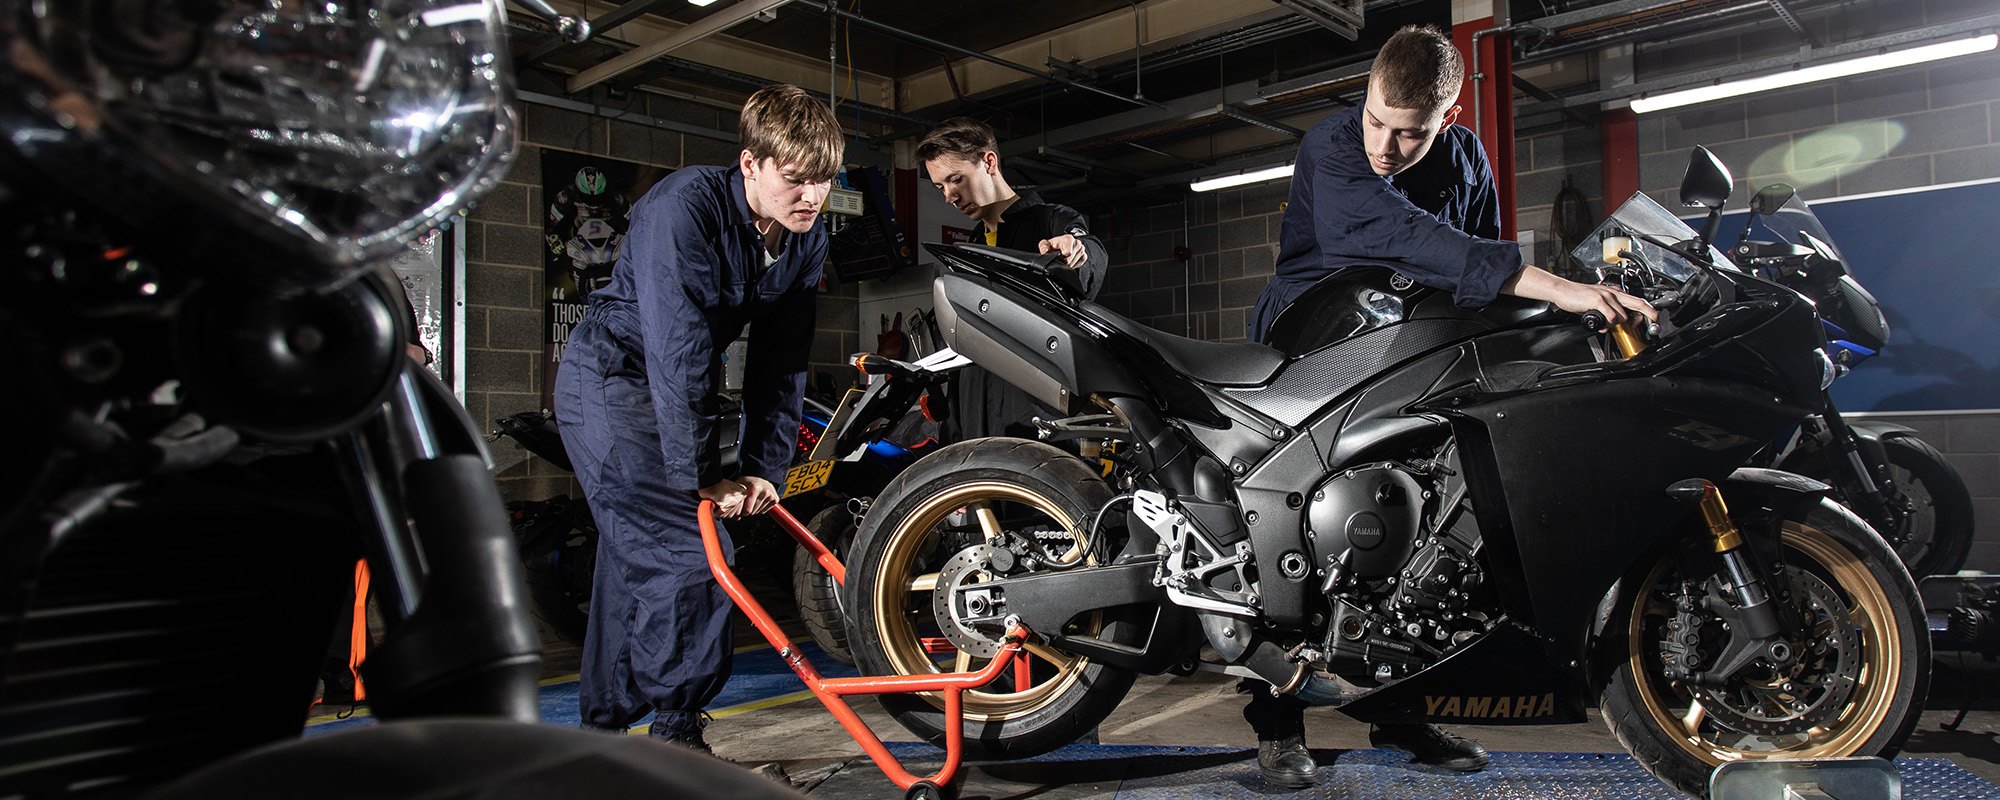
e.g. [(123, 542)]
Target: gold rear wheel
[(938, 526)]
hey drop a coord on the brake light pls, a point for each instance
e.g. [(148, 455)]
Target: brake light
[(807, 439)]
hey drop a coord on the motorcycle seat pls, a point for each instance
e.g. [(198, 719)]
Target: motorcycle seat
[(1213, 363)]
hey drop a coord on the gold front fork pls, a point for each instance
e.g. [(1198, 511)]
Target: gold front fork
[(1716, 514), (1626, 336)]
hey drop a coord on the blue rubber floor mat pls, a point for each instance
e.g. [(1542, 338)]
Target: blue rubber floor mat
[(758, 678), (1128, 772)]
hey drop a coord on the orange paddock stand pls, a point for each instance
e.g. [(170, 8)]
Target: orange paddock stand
[(831, 691)]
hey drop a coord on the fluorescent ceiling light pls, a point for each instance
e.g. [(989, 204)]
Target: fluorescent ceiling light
[(1238, 179), (1837, 69), (700, 2)]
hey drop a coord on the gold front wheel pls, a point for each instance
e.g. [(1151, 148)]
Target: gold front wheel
[(1855, 666)]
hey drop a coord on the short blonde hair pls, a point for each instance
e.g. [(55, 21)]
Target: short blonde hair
[(783, 123)]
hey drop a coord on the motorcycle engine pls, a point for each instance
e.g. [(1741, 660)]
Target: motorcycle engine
[(1398, 568)]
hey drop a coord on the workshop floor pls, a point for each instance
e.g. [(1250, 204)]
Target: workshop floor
[(767, 717)]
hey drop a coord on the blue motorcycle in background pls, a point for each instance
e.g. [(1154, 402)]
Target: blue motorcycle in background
[(1898, 483)]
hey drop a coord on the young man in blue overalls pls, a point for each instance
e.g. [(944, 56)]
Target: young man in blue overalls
[(709, 250), (1394, 181)]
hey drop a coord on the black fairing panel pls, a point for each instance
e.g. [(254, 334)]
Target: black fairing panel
[(1343, 305), (1010, 320), (1576, 478), (1357, 300), (994, 326), (1309, 383)]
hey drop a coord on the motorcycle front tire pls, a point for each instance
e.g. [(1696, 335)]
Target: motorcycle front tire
[(1657, 719), (922, 518)]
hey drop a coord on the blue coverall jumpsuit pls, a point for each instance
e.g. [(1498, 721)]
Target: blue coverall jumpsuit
[(635, 397), (1437, 222)]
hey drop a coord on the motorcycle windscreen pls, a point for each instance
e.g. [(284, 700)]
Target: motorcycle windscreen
[(1646, 222)]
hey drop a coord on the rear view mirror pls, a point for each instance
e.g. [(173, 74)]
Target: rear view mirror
[(1706, 185), (1707, 182), (1771, 198)]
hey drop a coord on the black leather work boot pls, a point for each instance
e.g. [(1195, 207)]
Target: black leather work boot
[(1280, 723), (681, 728), (1430, 744)]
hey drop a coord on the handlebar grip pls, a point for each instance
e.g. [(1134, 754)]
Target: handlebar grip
[(1596, 321)]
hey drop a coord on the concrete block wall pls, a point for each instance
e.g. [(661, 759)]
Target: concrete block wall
[(505, 306), (1232, 239)]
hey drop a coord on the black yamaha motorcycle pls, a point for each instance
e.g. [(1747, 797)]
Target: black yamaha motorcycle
[(1407, 510), (1896, 481)]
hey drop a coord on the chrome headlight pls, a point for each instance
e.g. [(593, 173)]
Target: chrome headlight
[(347, 126)]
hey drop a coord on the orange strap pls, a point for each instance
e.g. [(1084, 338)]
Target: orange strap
[(357, 642)]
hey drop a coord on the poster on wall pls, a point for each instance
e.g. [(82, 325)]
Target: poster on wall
[(584, 222), (421, 270)]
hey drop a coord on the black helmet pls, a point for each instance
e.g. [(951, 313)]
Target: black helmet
[(337, 130)]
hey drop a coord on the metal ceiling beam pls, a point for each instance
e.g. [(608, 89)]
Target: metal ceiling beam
[(1709, 76), (1240, 115), (1090, 43), (716, 22), (769, 64), (1316, 80), (1340, 16), (603, 22), (1606, 11), (1793, 23), (717, 77), (1243, 97), (890, 30), (608, 112), (1708, 20)]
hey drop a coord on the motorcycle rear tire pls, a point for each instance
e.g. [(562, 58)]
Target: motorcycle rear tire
[(817, 594), (1650, 714), (897, 554)]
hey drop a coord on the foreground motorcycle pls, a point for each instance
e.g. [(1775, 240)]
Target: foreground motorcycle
[(1407, 510), (219, 415), (1897, 482)]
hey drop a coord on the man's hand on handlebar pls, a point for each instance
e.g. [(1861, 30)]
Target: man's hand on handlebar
[(1608, 304), (1072, 250)]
